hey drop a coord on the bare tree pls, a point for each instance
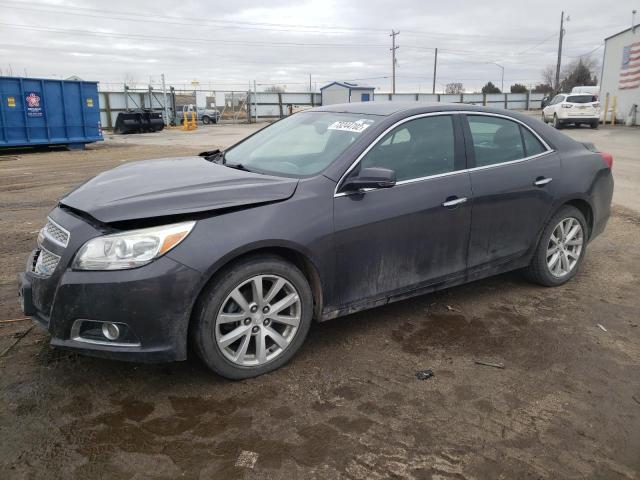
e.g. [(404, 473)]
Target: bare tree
[(454, 88), (580, 71), (549, 75)]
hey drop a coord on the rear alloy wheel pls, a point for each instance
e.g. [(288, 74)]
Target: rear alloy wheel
[(564, 247), (561, 249), (253, 318), (556, 122)]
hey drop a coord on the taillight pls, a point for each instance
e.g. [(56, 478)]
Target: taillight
[(596, 104), (608, 159)]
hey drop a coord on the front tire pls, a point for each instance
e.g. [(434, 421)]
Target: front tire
[(253, 317), (561, 249)]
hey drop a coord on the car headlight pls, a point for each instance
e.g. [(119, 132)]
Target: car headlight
[(130, 249)]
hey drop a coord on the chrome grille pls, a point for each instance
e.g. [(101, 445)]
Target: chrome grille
[(45, 263), (56, 233)]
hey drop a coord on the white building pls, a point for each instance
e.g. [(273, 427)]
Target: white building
[(345, 92), (620, 78)]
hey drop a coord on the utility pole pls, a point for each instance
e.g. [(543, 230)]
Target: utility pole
[(310, 89), (393, 59), (435, 69), (255, 102), (559, 52), (166, 107)]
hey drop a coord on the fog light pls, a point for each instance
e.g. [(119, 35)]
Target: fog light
[(110, 330)]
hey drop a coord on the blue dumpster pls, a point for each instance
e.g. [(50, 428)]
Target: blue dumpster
[(37, 111)]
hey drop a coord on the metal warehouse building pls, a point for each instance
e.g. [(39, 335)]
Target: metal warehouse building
[(620, 77), (345, 92)]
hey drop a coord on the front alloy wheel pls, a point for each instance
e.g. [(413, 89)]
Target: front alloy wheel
[(258, 320), (253, 316)]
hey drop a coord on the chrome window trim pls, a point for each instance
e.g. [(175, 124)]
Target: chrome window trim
[(57, 225), (438, 175)]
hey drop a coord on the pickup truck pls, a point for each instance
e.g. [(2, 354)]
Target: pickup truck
[(204, 115)]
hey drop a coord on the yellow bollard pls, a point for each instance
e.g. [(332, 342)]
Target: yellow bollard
[(606, 109), (189, 124)]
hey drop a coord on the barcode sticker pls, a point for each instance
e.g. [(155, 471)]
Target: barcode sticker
[(357, 126)]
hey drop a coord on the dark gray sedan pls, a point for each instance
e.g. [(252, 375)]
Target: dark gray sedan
[(325, 213)]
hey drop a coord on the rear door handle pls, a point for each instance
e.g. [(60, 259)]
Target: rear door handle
[(541, 181), (454, 202)]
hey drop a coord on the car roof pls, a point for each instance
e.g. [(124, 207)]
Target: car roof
[(408, 108)]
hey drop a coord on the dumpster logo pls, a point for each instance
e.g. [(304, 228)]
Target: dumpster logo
[(33, 105)]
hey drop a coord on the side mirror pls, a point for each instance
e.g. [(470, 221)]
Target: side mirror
[(372, 177)]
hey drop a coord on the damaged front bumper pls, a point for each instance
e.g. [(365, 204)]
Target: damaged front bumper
[(149, 306)]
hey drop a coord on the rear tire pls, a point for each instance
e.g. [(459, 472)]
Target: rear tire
[(206, 120), (264, 340), (594, 125), (556, 122), (542, 269)]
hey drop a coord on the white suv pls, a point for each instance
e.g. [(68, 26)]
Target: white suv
[(572, 108)]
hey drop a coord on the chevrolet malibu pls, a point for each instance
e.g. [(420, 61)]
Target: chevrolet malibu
[(325, 213)]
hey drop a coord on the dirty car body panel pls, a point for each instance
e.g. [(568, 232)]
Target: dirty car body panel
[(436, 227)]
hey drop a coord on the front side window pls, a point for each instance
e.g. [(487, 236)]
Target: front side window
[(418, 148), (495, 140), (300, 145)]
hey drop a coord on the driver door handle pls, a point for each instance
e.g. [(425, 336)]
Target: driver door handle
[(452, 202), (541, 181)]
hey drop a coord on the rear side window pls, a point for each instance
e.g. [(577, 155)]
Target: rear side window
[(495, 140), (582, 99), (532, 145), (418, 148)]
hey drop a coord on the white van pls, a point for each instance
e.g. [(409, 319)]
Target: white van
[(593, 90)]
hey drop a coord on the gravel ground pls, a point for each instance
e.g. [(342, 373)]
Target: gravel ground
[(565, 405)]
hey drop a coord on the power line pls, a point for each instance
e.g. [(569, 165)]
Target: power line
[(282, 27), (190, 40), (586, 54)]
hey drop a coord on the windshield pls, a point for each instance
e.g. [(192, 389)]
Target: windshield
[(582, 99), (300, 145)]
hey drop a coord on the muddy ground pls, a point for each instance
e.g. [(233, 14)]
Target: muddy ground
[(566, 405)]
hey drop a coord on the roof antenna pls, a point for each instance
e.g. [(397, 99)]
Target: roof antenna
[(633, 20)]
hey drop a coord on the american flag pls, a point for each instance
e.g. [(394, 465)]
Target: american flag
[(630, 69)]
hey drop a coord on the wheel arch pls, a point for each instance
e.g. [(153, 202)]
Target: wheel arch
[(582, 204), (585, 208), (287, 252)]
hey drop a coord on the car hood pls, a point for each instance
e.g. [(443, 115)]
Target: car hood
[(172, 186)]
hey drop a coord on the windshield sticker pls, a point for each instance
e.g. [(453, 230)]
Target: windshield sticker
[(358, 126)]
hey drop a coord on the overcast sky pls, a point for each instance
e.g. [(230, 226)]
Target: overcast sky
[(228, 44)]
